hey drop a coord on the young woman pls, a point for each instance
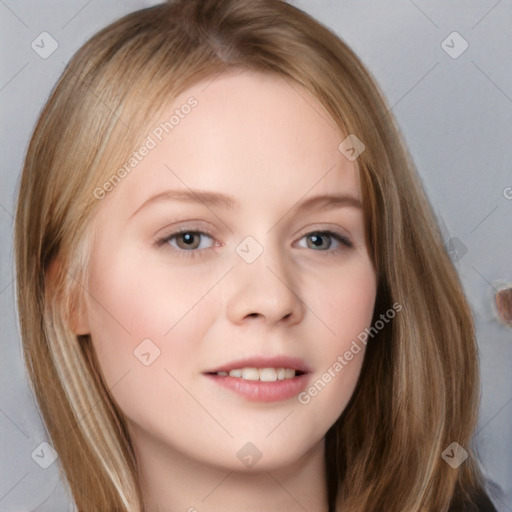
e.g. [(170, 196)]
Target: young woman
[(232, 290)]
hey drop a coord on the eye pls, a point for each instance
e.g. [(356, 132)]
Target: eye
[(324, 240), (187, 240)]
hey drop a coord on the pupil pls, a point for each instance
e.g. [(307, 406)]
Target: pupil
[(188, 238), (317, 240)]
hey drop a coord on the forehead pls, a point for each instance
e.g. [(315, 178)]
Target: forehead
[(258, 137)]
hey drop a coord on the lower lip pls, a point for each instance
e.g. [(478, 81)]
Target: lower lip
[(258, 391)]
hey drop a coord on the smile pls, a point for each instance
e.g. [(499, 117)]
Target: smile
[(262, 378), (261, 374)]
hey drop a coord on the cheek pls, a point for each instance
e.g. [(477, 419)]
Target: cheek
[(146, 325), (346, 303), (137, 312), (346, 310)]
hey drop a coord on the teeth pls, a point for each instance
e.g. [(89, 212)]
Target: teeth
[(268, 374), (261, 374), (250, 374), (289, 373)]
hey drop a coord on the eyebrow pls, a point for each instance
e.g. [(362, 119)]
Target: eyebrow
[(215, 199)]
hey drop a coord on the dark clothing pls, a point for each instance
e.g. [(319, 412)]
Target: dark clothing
[(479, 503)]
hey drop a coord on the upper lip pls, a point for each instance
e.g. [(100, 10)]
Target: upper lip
[(295, 363)]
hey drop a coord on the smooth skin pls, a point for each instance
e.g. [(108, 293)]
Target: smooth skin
[(271, 146)]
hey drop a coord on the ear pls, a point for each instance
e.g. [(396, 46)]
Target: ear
[(77, 315)]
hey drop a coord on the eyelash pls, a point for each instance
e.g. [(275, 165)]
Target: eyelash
[(194, 253)]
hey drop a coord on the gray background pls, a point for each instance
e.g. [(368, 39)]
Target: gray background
[(456, 115)]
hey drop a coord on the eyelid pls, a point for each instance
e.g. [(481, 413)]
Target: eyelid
[(322, 228), (344, 242), (162, 239), (179, 227)]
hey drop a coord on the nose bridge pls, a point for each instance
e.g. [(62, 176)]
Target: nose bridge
[(262, 284)]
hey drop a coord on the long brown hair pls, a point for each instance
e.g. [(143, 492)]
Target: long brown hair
[(418, 389)]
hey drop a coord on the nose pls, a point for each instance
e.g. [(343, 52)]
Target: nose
[(264, 291)]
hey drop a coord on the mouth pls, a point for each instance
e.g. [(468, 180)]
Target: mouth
[(263, 379), (260, 374)]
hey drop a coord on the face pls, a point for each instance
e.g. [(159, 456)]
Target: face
[(236, 242)]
